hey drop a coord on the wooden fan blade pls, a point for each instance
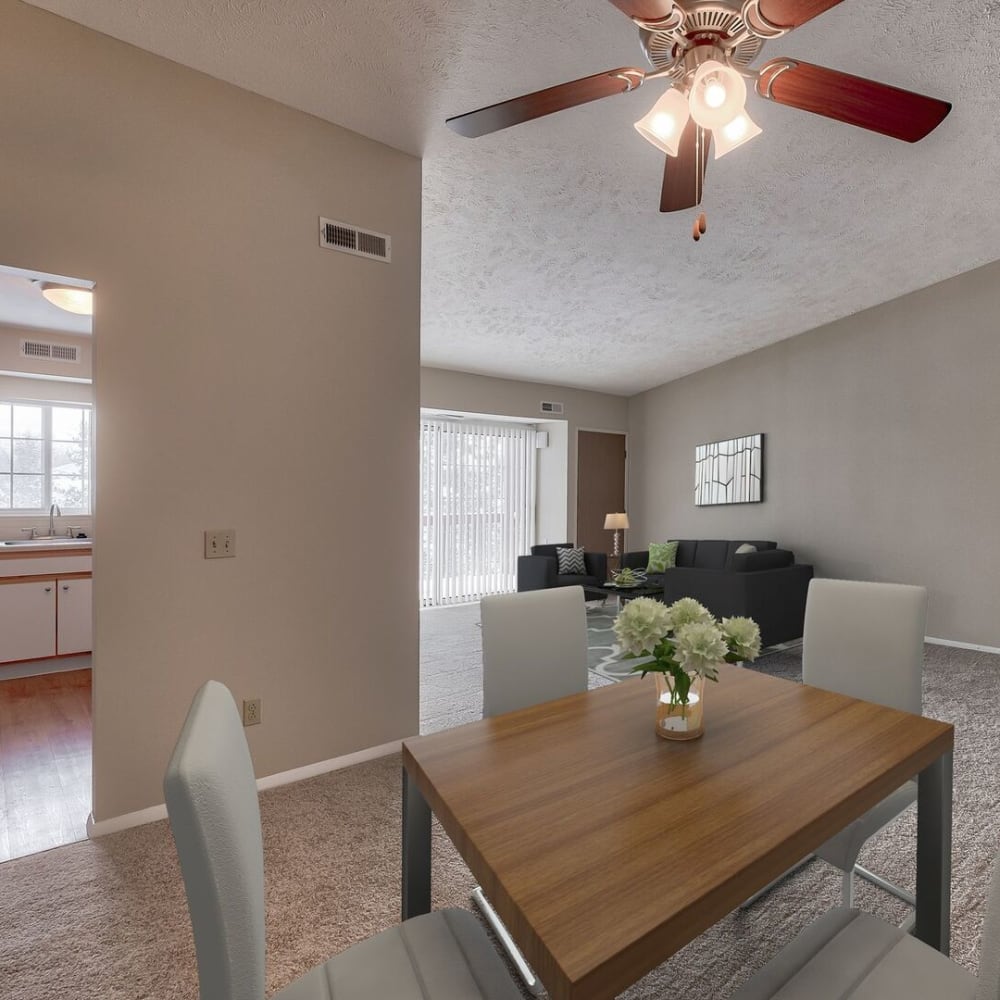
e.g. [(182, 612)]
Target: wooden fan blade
[(684, 174), (877, 107), (792, 13), (645, 10), (545, 102)]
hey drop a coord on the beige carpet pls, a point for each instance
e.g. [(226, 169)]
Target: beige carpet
[(107, 920)]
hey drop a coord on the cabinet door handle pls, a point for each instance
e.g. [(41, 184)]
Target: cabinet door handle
[(48, 590), (66, 586)]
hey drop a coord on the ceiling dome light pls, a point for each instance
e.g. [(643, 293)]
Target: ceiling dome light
[(72, 298), (740, 130), (665, 122), (718, 94)]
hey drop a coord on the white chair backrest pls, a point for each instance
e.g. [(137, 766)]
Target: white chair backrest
[(866, 640), (534, 647), (212, 804)]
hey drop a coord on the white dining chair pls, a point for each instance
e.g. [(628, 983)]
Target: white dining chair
[(534, 650), (211, 798), (850, 955), (864, 640)]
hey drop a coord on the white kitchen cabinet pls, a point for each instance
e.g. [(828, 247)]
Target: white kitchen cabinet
[(74, 616), (27, 619)]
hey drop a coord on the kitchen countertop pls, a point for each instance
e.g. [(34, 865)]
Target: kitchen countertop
[(46, 547)]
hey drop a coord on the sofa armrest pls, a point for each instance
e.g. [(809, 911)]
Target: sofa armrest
[(597, 565), (774, 598), (750, 562), (635, 560), (536, 572)]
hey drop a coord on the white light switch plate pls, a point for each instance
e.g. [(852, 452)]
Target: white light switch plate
[(220, 544)]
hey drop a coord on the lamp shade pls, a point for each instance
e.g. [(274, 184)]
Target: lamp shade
[(740, 130), (72, 298), (615, 522), (665, 122), (718, 94)]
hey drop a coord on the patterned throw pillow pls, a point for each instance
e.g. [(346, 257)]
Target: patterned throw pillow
[(662, 556), (571, 561)]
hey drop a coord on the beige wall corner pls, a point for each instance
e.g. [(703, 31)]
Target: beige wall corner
[(235, 363), (880, 451), (597, 411)]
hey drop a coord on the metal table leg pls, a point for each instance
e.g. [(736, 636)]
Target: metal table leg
[(416, 888), (933, 918)]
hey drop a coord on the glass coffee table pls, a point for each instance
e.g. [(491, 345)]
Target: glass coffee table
[(626, 594)]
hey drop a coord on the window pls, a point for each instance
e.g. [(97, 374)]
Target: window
[(476, 508), (45, 457)]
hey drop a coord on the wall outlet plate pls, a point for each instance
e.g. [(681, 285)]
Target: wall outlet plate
[(251, 711), (220, 543)]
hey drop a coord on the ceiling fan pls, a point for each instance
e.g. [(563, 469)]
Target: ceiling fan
[(705, 48)]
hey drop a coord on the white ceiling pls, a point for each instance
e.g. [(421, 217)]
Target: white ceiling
[(544, 255), (22, 304)]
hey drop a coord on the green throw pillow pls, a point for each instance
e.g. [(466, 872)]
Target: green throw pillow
[(662, 556)]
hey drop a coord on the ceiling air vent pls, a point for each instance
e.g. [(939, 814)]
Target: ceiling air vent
[(50, 352), (349, 239), (548, 407)]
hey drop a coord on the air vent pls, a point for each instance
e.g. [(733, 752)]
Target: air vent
[(548, 407), (50, 352), (349, 239)]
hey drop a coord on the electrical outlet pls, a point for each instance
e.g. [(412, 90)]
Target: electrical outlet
[(220, 544), (251, 711)]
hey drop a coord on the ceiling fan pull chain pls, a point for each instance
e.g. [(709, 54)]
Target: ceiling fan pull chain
[(699, 227)]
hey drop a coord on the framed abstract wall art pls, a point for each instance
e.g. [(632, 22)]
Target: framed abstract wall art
[(729, 471)]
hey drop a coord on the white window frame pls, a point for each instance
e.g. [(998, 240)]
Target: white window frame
[(47, 407)]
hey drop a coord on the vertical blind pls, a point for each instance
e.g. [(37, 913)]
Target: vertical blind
[(477, 503)]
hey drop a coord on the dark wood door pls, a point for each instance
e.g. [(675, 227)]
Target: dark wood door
[(600, 487)]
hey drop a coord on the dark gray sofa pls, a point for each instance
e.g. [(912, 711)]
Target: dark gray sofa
[(767, 585), (540, 570)]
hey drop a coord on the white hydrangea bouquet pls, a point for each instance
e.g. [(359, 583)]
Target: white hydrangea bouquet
[(683, 644)]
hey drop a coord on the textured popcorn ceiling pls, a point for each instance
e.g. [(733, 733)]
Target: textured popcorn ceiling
[(544, 255)]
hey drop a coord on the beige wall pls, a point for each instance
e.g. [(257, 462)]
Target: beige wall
[(482, 394), (882, 434), (235, 363)]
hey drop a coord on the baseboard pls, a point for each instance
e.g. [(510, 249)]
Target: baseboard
[(155, 813), (961, 645), (324, 766)]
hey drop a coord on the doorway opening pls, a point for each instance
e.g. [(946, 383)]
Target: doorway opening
[(46, 547), (601, 482)]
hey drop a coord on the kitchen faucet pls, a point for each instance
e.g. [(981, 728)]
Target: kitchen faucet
[(54, 512)]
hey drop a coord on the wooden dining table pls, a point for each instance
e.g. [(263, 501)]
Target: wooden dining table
[(606, 849)]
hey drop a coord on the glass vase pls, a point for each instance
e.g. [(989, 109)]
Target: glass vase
[(676, 720)]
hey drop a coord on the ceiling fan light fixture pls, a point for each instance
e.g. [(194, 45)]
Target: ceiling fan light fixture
[(740, 130), (718, 94), (664, 123), (71, 298)]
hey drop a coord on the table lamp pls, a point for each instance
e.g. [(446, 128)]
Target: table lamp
[(615, 523)]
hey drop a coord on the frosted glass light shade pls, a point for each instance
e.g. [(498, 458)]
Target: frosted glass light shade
[(71, 298), (718, 94), (616, 522), (665, 122), (740, 130)]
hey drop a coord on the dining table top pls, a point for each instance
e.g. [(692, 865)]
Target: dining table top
[(605, 849)]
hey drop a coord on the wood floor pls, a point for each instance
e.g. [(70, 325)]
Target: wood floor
[(45, 761)]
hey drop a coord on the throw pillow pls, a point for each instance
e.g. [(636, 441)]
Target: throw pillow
[(746, 547), (662, 556), (571, 561)]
